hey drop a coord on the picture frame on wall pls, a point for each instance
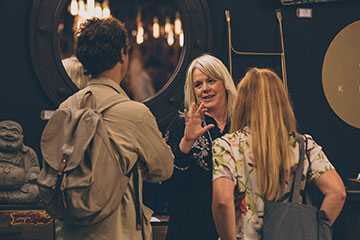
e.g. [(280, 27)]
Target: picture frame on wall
[(292, 2)]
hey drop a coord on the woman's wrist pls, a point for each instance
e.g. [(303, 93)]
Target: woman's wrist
[(185, 145)]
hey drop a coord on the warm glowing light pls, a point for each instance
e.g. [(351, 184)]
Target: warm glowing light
[(74, 7), (167, 25), (60, 27), (81, 8), (170, 38), (140, 29), (106, 10), (91, 8), (177, 24), (79, 21), (106, 13), (156, 28), (98, 10), (181, 39), (87, 15), (140, 35)]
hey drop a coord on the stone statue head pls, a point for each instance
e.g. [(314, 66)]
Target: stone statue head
[(11, 136)]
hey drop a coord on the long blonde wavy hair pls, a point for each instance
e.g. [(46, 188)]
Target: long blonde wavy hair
[(263, 106), (215, 69)]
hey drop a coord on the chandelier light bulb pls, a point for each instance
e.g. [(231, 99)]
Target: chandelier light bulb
[(170, 38), (177, 24), (82, 8), (140, 35), (156, 28), (74, 7), (106, 10), (91, 8), (167, 25), (98, 10), (181, 39)]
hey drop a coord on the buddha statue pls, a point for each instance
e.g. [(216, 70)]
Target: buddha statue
[(19, 166)]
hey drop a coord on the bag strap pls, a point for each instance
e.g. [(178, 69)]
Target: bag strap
[(137, 197), (299, 170), (84, 100)]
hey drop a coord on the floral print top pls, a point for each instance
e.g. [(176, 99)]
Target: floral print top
[(232, 159)]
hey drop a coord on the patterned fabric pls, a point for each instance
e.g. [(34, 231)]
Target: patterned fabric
[(190, 186), (232, 159)]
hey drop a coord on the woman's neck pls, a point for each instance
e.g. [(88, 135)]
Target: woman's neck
[(219, 117)]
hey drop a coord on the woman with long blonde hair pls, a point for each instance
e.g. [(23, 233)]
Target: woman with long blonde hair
[(258, 158)]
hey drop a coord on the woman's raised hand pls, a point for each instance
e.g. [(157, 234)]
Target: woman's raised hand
[(193, 127)]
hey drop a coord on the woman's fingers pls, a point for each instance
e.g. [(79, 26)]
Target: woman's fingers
[(186, 115), (193, 108), (194, 113), (207, 127), (200, 108)]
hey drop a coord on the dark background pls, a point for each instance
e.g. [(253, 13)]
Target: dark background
[(254, 28)]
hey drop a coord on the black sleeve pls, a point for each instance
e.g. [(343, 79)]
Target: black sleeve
[(178, 182), (174, 133)]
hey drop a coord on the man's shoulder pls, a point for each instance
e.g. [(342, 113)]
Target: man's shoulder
[(68, 102), (127, 110), (130, 110), (133, 107)]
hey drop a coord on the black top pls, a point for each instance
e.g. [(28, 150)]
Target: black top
[(190, 187)]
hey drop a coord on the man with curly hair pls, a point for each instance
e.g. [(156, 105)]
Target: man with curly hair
[(102, 48)]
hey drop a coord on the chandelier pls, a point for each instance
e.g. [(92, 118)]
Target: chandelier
[(170, 31), (82, 11)]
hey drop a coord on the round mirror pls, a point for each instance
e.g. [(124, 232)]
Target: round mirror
[(156, 39), (162, 54)]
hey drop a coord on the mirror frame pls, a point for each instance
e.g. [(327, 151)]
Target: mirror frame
[(44, 51)]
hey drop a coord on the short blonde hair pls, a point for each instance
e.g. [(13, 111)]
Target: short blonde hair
[(213, 68), (75, 70), (264, 106)]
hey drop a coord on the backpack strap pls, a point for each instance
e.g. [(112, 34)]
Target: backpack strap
[(299, 170), (84, 101), (137, 197), (111, 101)]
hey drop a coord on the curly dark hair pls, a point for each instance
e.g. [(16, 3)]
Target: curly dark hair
[(99, 44)]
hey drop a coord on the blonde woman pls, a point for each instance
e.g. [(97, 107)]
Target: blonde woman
[(209, 96), (256, 162)]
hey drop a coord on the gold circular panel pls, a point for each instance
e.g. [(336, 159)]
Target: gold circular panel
[(341, 74)]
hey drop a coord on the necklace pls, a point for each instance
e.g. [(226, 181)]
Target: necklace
[(205, 124)]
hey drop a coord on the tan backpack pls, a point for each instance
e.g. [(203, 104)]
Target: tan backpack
[(81, 181)]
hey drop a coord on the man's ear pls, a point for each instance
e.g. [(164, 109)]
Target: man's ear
[(123, 55)]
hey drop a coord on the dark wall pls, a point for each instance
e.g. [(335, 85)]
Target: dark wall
[(21, 96), (254, 28)]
